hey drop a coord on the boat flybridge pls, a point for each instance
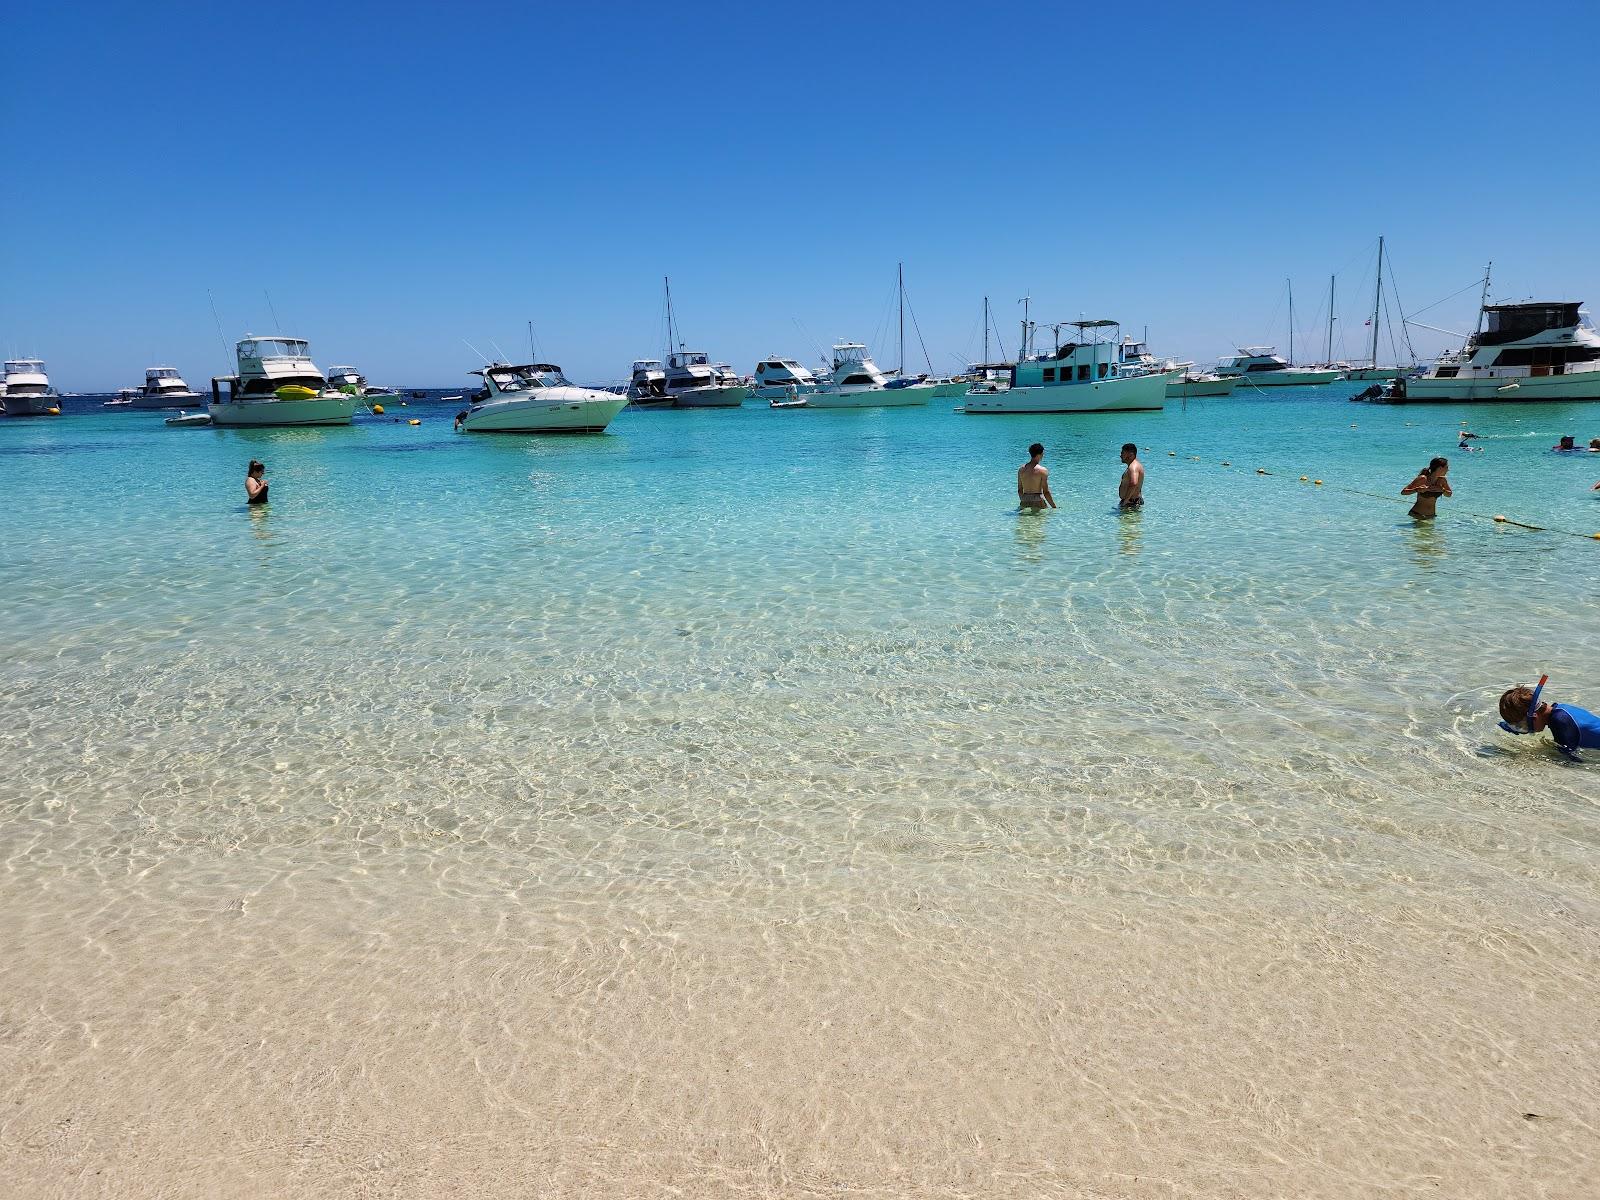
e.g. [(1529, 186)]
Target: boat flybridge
[(1536, 350), (1085, 374), (277, 385), (536, 398), (1263, 366), (28, 392), (164, 388)]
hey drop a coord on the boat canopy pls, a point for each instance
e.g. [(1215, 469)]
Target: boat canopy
[(24, 366), (1098, 323), (273, 347), (161, 373)]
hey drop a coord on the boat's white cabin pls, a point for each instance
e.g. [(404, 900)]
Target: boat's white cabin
[(26, 377), (1251, 360), (163, 379), (1534, 338), (504, 379), (782, 371)]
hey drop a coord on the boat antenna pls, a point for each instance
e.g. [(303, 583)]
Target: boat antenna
[(533, 347), (1023, 353), (1377, 300), (275, 323), (220, 337), (504, 357), (479, 354)]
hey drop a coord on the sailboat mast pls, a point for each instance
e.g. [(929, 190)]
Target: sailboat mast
[(1483, 299), (1290, 282), (900, 277), (1377, 302), (1329, 359), (667, 284), (986, 330), (532, 353)]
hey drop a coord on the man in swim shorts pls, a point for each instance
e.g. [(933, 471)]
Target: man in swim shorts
[(1033, 482), (1130, 492)]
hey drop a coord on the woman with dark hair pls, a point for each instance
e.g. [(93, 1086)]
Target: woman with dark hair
[(1427, 487), (255, 483)]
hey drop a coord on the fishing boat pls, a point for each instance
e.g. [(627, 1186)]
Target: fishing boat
[(277, 385), (536, 398), (1537, 350), (164, 388), (1081, 375), (27, 390), (856, 382), (783, 379)]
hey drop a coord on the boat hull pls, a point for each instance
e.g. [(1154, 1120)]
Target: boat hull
[(586, 416), (267, 414), (1526, 389), (1293, 377), (1184, 389), (715, 397), (1373, 373), (1133, 393), (31, 406), (906, 397), (170, 400)]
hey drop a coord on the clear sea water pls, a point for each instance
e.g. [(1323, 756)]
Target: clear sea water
[(753, 802)]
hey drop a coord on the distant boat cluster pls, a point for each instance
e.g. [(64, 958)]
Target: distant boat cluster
[(1535, 350)]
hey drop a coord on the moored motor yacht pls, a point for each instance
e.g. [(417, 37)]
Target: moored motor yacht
[(123, 398), (27, 390), (1192, 383), (647, 384), (164, 388), (692, 382), (536, 398), (1536, 350), (1262, 366), (1083, 375), (857, 382), (353, 383), (277, 385), (783, 379)]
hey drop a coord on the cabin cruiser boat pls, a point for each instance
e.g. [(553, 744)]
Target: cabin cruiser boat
[(1082, 375), (647, 384), (353, 383), (1262, 366), (1182, 379), (692, 382), (28, 392), (536, 398), (164, 388), (1191, 383), (123, 398), (1537, 350), (783, 379), (277, 385), (856, 382)]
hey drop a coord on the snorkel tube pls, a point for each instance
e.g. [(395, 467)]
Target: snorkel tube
[(1533, 707)]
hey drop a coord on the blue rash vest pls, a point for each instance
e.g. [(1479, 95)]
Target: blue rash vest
[(1573, 728)]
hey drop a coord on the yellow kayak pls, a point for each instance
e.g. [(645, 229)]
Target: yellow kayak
[(294, 391)]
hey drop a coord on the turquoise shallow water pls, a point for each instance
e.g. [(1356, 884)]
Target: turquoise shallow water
[(743, 713)]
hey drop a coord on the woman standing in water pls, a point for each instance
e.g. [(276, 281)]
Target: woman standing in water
[(255, 483), (1427, 487)]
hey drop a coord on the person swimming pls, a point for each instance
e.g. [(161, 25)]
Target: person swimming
[(1567, 442), (1427, 487), (1033, 482), (255, 483), (1572, 728)]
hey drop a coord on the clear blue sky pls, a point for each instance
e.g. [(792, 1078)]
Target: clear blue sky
[(401, 177)]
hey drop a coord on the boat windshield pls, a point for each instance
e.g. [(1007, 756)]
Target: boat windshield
[(527, 380), (161, 373), (273, 348)]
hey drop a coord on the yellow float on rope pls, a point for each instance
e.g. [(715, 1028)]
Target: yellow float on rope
[(1305, 479), (378, 408), (413, 421), (1318, 482)]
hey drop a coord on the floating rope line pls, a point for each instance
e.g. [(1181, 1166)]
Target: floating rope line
[(1495, 518)]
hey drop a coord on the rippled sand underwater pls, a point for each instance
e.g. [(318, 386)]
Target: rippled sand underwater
[(751, 803)]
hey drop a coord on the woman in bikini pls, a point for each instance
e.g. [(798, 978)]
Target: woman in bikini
[(1427, 487)]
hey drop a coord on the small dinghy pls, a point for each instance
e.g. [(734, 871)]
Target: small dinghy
[(786, 404), (189, 418)]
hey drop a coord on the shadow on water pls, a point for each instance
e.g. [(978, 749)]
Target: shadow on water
[(1425, 541), (1030, 530), (1130, 525)]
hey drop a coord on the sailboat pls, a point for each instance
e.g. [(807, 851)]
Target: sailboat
[(691, 380), (1372, 370)]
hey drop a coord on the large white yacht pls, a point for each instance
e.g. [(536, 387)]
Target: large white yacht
[(857, 382), (1082, 375), (693, 382), (28, 392), (1537, 350), (1263, 366), (536, 398), (783, 379), (277, 384), (164, 388)]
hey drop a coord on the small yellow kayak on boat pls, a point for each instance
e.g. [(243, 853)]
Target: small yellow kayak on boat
[(294, 391)]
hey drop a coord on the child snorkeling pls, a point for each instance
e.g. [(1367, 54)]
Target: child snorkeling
[(1573, 728)]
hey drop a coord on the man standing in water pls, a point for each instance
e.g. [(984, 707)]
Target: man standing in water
[(1033, 482), (1130, 492)]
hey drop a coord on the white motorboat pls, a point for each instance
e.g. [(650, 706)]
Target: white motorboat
[(277, 385), (1190, 384), (28, 392), (536, 398), (1080, 376), (647, 384), (190, 420), (1262, 366), (783, 379), (856, 382), (353, 383), (692, 382), (164, 388), (1183, 381), (1534, 351)]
